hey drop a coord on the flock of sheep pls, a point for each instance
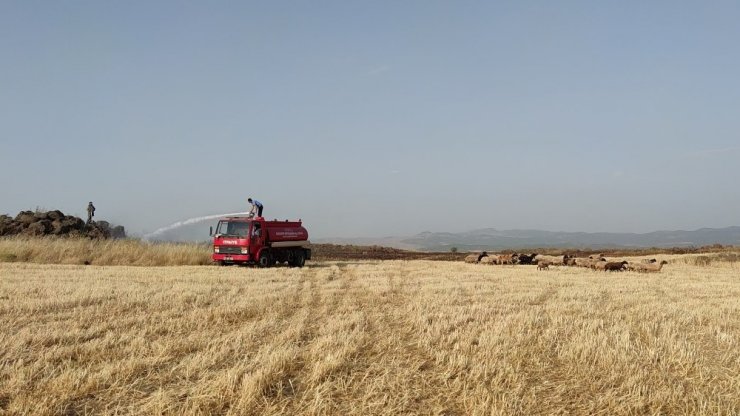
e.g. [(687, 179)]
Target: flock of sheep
[(543, 262)]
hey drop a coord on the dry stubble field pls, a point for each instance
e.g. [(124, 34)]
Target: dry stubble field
[(395, 337)]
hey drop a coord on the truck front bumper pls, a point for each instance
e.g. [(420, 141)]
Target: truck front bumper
[(231, 258)]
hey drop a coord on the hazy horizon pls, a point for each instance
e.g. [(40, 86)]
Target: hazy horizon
[(375, 119)]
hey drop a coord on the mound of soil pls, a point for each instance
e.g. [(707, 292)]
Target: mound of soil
[(39, 224)]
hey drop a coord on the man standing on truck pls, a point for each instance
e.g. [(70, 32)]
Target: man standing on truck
[(90, 212), (256, 208)]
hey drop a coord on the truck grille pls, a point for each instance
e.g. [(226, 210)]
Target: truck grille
[(229, 250)]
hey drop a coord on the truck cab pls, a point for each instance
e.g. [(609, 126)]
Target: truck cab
[(246, 240)]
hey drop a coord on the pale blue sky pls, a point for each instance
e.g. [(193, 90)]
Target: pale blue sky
[(375, 118)]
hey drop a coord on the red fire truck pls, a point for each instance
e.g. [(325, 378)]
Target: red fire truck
[(246, 240)]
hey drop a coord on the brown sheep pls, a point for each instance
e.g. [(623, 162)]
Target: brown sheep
[(543, 265), (507, 258)]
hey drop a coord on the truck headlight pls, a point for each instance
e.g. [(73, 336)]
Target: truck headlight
[(216, 249), (245, 250)]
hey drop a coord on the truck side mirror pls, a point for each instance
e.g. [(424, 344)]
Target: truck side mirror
[(210, 231)]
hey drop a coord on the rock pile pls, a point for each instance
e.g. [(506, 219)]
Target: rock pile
[(37, 224)]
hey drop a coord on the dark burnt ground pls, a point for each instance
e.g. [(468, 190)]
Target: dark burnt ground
[(324, 252), (349, 252)]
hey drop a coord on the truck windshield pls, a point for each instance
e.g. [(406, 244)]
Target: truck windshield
[(233, 228)]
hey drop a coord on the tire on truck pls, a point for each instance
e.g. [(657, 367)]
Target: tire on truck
[(299, 258), (264, 259)]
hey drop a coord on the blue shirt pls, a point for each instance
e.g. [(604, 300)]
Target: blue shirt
[(257, 203)]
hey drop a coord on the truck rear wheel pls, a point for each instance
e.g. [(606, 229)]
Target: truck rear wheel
[(299, 259)]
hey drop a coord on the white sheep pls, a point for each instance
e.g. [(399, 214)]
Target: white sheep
[(553, 260), (646, 267)]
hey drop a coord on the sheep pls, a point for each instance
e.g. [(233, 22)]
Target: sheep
[(648, 267), (614, 266), (635, 266), (489, 260), (648, 261), (507, 258), (553, 260), (595, 258), (599, 265), (526, 259), (583, 262), (570, 261), (654, 268), (543, 265), (475, 258), (632, 266)]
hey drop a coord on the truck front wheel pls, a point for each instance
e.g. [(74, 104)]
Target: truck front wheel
[(264, 259)]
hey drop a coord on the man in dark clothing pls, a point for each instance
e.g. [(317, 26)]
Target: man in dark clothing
[(256, 207), (90, 212)]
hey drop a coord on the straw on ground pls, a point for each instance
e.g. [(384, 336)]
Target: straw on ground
[(364, 338)]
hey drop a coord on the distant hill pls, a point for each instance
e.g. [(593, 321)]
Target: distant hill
[(493, 239)]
